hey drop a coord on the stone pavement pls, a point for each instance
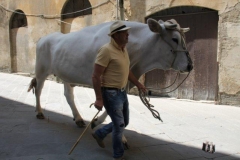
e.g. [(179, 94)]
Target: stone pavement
[(186, 125)]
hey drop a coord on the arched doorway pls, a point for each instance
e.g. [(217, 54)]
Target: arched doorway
[(202, 38), (18, 42), (76, 15)]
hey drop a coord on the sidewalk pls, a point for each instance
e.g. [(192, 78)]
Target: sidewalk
[(186, 125)]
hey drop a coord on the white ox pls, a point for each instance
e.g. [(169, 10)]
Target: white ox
[(71, 56)]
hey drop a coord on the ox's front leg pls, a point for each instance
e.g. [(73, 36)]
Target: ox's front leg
[(68, 92)]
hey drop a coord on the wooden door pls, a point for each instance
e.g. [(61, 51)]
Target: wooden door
[(202, 83)]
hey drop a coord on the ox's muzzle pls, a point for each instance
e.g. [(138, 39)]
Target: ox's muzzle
[(190, 64), (189, 60)]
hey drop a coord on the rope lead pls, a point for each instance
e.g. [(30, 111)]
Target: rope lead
[(146, 101)]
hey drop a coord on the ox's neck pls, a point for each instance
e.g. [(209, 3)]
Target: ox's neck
[(142, 47)]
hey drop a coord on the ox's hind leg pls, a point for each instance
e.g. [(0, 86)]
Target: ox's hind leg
[(40, 83), (68, 92)]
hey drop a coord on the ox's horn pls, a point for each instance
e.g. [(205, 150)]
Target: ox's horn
[(185, 29), (161, 21), (170, 25)]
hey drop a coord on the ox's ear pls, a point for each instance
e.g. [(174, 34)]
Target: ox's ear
[(185, 29), (154, 26)]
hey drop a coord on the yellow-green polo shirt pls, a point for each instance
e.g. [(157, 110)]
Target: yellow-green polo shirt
[(117, 65)]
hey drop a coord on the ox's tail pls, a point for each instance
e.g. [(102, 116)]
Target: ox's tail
[(32, 85)]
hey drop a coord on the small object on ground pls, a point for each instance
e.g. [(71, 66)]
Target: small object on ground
[(208, 147)]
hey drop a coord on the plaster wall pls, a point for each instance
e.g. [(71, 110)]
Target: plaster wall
[(103, 11), (36, 28), (4, 40), (43, 17)]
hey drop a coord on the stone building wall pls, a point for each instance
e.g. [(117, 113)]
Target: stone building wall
[(229, 56), (4, 40), (228, 30), (39, 26)]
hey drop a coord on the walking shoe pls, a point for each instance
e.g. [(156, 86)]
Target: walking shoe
[(120, 158), (99, 141)]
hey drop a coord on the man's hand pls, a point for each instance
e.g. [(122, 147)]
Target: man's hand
[(141, 88), (98, 104)]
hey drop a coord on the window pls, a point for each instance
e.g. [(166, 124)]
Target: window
[(73, 6), (18, 20)]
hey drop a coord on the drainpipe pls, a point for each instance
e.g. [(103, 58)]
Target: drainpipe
[(121, 4), (117, 10)]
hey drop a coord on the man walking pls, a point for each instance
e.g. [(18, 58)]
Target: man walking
[(110, 76)]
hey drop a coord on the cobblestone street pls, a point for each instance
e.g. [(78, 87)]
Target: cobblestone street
[(186, 125)]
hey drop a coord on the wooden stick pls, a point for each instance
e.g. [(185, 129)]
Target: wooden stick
[(82, 134)]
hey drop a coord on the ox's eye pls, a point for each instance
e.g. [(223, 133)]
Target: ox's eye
[(175, 40)]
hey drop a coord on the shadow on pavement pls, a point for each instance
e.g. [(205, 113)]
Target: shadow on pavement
[(24, 137)]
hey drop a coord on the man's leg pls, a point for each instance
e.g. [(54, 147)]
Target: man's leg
[(126, 109), (117, 131), (113, 103), (101, 133)]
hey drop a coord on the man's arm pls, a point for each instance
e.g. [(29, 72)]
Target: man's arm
[(96, 80), (135, 81)]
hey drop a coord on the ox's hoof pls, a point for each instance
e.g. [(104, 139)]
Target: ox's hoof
[(126, 146), (40, 116), (93, 125), (80, 123)]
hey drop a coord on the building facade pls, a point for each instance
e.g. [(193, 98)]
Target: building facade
[(213, 41)]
